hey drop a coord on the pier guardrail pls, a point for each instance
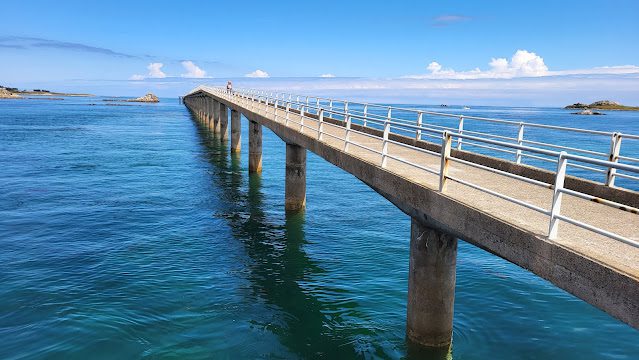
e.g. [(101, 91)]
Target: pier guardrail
[(302, 106)]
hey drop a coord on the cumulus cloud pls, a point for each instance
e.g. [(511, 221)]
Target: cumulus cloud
[(155, 70), (327, 76), (192, 70), (258, 74), (522, 64)]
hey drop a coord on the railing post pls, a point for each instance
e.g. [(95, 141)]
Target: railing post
[(460, 130), (418, 132), (613, 156), (302, 119), (320, 127), (275, 111), (365, 113), (557, 195), (330, 106), (317, 104), (520, 142), (385, 143), (288, 111), (447, 141), (345, 109), (348, 133)]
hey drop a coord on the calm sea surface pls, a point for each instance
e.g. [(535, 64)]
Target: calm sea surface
[(130, 232)]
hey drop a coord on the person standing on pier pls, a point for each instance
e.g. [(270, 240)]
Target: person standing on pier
[(229, 86)]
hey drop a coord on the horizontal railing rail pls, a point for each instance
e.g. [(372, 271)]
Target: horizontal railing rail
[(302, 108), (612, 140)]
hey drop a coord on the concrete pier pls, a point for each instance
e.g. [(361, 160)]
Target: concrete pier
[(431, 286), (598, 269), (224, 122), (236, 131), (255, 147), (295, 187)]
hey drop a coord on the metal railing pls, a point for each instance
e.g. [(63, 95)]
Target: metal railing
[(320, 109), (516, 129)]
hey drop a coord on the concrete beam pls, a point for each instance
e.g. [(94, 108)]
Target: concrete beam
[(295, 188), (224, 122), (255, 147), (431, 286), (236, 131)]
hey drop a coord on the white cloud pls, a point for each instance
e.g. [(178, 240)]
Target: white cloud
[(155, 70), (192, 70), (601, 70), (434, 67), (522, 64), (327, 76), (257, 74)]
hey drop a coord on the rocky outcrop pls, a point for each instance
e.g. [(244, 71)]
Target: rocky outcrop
[(577, 106), (602, 105), (148, 98), (6, 94), (589, 112)]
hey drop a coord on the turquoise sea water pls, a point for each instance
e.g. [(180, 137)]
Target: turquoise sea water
[(129, 232)]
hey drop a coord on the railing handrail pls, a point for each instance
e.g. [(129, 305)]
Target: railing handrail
[(403, 122)]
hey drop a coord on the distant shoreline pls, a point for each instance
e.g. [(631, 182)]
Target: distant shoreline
[(39, 93)]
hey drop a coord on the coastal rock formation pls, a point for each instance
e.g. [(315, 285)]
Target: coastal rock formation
[(588, 112), (602, 105), (6, 94), (148, 98), (577, 106)]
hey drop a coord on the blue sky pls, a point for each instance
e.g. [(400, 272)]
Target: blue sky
[(494, 52)]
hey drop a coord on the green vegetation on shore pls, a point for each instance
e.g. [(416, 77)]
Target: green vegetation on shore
[(603, 105)]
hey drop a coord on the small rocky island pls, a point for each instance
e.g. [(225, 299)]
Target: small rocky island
[(148, 98), (6, 94), (587, 109)]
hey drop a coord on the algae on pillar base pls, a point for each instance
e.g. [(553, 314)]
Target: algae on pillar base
[(431, 286), (295, 187)]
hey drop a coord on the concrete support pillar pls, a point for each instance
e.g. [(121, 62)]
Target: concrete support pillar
[(209, 111), (295, 188), (216, 117), (224, 122), (236, 131), (431, 286), (255, 147), (205, 108)]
